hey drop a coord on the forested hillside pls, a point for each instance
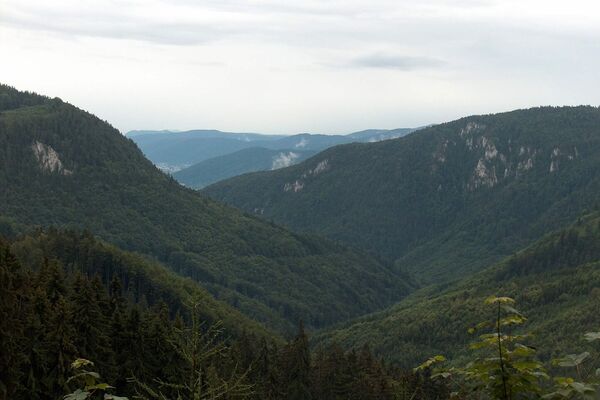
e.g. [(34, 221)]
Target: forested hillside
[(556, 283), (446, 200), (240, 162), (65, 296), (63, 167)]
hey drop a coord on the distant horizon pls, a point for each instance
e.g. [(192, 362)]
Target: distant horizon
[(264, 133), (350, 132)]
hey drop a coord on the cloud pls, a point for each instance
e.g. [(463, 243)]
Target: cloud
[(308, 65), (173, 26), (283, 160), (395, 61), (302, 143)]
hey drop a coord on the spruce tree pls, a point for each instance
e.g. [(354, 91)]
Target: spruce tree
[(11, 326)]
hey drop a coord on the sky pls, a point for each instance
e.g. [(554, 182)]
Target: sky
[(327, 66)]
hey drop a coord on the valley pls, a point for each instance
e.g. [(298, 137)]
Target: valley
[(388, 247)]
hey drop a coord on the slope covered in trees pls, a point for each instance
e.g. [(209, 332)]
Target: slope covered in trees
[(555, 282), (66, 296), (446, 200), (63, 167), (253, 159)]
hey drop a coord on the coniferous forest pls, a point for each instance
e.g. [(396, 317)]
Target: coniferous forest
[(82, 301)]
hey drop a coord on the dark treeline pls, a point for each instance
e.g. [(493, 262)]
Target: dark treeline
[(54, 314)]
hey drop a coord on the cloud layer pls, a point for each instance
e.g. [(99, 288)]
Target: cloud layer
[(284, 67)]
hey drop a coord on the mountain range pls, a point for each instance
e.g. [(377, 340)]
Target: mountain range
[(65, 168), (444, 201), (392, 244), (207, 156)]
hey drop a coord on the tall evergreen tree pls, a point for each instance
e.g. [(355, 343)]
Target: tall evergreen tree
[(299, 367), (11, 325)]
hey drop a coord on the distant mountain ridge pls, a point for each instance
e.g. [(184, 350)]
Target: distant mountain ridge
[(240, 162), (173, 151), (445, 201)]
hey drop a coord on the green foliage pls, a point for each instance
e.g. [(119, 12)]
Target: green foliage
[(422, 200), (67, 295), (503, 367), (555, 279), (201, 355), (92, 387), (106, 185)]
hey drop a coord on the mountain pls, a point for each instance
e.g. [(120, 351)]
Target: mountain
[(555, 283), (173, 151), (377, 135), (63, 167), (248, 160), (445, 201)]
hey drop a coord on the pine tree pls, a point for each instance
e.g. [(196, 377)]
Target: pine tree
[(11, 326), (91, 325), (299, 367), (61, 347), (36, 350)]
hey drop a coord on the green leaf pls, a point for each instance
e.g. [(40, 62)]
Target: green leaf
[(571, 360), (113, 397), (430, 362), (77, 395), (510, 309), (526, 365), (512, 320), (99, 386), (81, 362), (501, 300)]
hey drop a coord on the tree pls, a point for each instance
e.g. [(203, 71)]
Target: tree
[(11, 325), (507, 369), (298, 364), (201, 352)]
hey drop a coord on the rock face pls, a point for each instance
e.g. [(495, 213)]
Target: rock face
[(48, 159), (298, 184), (498, 158)]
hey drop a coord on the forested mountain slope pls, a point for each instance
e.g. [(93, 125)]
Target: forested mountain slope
[(65, 296), (446, 200), (142, 281), (60, 166), (556, 283), (241, 162)]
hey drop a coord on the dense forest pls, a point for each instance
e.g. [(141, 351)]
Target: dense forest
[(556, 282), (443, 201), (60, 166), (85, 303)]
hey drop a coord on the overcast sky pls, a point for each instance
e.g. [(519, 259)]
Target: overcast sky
[(301, 66)]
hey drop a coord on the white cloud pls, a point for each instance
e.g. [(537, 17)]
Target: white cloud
[(287, 67), (283, 160)]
